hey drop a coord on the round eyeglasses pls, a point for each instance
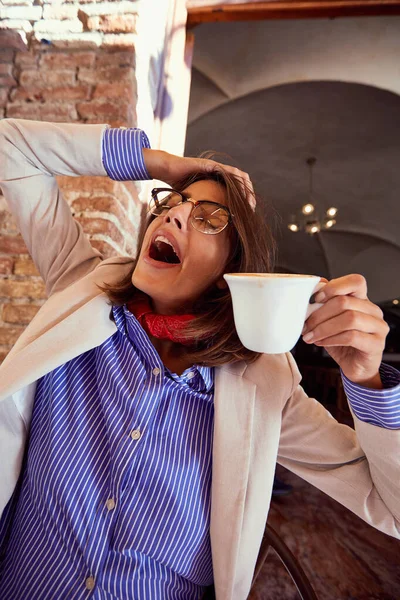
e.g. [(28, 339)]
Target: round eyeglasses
[(206, 216)]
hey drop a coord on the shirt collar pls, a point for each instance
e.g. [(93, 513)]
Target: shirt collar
[(198, 377)]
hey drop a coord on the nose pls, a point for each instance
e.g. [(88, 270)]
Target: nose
[(179, 215)]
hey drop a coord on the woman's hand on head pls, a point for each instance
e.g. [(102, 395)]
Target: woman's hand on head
[(171, 169), (350, 327)]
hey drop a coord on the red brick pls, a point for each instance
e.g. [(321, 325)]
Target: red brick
[(26, 59), (19, 313), (116, 59), (6, 69), (109, 74), (23, 111), (106, 204), (119, 41), (13, 244), (8, 224), (25, 266), (12, 39), (3, 96), (57, 112), (6, 76), (32, 94), (6, 265), (112, 23), (6, 55), (9, 335), (41, 78), (3, 355), (103, 110), (78, 92), (68, 60), (96, 225), (116, 90), (11, 288)]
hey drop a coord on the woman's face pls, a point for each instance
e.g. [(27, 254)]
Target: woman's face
[(174, 287)]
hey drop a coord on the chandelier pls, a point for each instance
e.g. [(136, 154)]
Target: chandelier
[(308, 220)]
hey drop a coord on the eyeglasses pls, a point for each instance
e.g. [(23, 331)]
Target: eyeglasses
[(206, 216)]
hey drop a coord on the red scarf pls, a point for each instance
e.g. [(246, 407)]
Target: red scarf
[(165, 327)]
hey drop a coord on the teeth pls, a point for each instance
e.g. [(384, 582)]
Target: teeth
[(162, 238)]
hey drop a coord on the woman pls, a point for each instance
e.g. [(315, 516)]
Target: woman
[(154, 433)]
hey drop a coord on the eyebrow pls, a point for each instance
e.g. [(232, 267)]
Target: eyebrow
[(187, 195)]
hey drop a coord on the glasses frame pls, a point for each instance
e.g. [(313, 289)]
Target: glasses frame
[(195, 203)]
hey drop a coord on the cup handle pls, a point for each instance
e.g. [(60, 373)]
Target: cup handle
[(313, 307)]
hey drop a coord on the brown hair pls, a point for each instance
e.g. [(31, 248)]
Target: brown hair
[(252, 251)]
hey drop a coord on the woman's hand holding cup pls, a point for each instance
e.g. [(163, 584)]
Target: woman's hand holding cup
[(350, 327)]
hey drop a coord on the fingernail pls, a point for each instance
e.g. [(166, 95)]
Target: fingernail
[(308, 336), (320, 297)]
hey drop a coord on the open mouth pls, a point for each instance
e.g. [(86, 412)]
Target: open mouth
[(163, 252)]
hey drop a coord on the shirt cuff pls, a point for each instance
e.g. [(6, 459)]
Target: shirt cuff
[(377, 407), (122, 153)]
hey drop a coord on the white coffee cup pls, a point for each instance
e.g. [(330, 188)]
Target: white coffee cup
[(270, 309)]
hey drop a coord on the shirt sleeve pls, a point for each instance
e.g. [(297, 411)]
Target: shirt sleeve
[(377, 407), (122, 153)]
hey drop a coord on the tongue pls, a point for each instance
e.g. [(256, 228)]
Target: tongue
[(163, 252)]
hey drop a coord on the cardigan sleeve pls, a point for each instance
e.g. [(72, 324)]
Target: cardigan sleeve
[(32, 154), (360, 467)]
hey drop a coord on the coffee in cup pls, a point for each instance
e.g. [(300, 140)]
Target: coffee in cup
[(270, 309)]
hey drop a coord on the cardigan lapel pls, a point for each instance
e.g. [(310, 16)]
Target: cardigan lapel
[(64, 341), (233, 428), (69, 323)]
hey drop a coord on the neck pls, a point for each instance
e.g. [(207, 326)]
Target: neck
[(172, 354), (166, 348)]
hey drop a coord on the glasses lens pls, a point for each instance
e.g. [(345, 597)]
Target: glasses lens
[(163, 201), (209, 218)]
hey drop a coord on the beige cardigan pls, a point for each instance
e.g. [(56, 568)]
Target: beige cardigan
[(262, 415)]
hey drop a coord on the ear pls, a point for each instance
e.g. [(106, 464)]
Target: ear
[(221, 284)]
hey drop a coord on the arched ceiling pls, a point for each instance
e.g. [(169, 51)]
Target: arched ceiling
[(353, 130)]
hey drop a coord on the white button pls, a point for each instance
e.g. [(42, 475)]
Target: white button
[(89, 583), (156, 371), (110, 504), (191, 375), (135, 434)]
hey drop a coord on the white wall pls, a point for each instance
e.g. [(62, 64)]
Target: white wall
[(244, 57)]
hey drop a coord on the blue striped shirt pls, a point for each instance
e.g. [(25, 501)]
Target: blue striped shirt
[(113, 499), (117, 479), (377, 407)]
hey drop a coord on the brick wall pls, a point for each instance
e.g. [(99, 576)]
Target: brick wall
[(68, 62)]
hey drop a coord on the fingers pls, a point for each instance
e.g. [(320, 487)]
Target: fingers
[(339, 305), (359, 340), (341, 330), (353, 285)]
